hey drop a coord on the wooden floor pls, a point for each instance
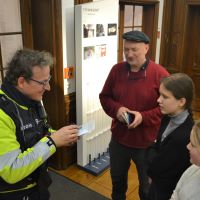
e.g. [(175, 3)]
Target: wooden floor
[(102, 183)]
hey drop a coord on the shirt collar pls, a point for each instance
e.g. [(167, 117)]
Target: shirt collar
[(143, 66)]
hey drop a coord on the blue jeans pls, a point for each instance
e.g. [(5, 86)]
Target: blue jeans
[(120, 159)]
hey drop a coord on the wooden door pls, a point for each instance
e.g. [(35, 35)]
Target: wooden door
[(180, 43), (173, 35), (138, 15), (191, 58)]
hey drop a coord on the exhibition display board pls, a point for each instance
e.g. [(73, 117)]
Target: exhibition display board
[(96, 26)]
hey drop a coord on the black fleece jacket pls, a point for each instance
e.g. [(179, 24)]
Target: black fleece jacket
[(172, 157)]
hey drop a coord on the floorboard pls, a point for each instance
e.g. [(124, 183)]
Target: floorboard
[(102, 183)]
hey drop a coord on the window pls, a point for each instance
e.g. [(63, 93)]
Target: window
[(10, 32), (131, 18)]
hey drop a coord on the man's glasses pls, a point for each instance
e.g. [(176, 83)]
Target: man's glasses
[(43, 83)]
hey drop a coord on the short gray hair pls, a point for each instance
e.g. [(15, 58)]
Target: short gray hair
[(23, 62)]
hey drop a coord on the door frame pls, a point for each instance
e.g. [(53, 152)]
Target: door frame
[(150, 19)]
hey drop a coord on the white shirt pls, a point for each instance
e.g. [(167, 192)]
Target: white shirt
[(188, 187)]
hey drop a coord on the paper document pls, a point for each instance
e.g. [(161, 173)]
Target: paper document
[(86, 128)]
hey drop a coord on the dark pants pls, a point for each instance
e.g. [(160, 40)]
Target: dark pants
[(120, 158), (158, 192), (29, 194)]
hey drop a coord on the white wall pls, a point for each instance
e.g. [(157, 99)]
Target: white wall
[(68, 42)]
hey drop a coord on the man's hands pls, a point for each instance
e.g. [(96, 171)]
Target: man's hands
[(137, 117), (66, 136), (137, 120), (121, 112)]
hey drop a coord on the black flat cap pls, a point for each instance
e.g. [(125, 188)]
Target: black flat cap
[(136, 36)]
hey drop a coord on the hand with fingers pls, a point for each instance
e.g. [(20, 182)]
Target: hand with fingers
[(137, 119), (121, 113), (66, 136)]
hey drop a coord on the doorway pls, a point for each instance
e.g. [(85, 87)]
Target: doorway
[(180, 44), (142, 16), (191, 55)]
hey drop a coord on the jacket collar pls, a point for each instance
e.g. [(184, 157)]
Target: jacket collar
[(12, 92)]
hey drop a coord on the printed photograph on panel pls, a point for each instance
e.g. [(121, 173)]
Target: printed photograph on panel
[(100, 30), (112, 29), (100, 50), (89, 52), (88, 30)]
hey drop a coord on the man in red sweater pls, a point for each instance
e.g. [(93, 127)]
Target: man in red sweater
[(132, 89)]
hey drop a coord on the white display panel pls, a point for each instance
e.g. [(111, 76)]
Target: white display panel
[(96, 26)]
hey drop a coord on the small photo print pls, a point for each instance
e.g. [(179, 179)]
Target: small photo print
[(89, 52), (100, 50), (100, 30), (112, 29), (88, 30)]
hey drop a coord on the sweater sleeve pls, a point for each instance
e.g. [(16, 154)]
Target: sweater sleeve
[(15, 165), (106, 97), (153, 116)]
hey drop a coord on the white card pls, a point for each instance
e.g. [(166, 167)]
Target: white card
[(86, 128)]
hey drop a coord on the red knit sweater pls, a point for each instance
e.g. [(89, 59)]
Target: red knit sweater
[(137, 91)]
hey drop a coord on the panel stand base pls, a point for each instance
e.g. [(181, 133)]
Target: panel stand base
[(98, 165)]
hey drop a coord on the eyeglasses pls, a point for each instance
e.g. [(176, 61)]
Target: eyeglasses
[(43, 83), (136, 76)]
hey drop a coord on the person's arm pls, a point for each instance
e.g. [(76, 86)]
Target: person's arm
[(108, 102), (151, 117), (148, 118), (15, 165), (65, 136)]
